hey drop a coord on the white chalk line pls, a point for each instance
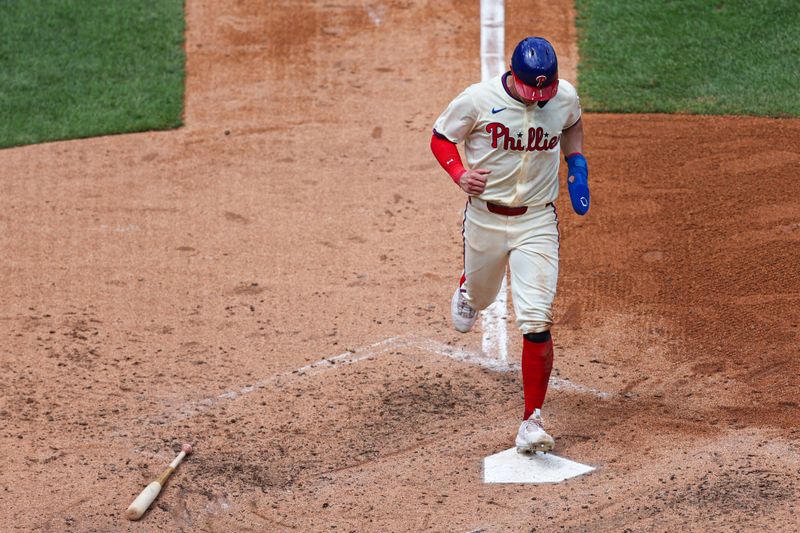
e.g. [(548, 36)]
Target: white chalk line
[(388, 346), (565, 384), (492, 38), (493, 319), (191, 409), (495, 334), (466, 356)]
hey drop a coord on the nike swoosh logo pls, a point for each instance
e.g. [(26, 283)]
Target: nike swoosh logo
[(495, 111)]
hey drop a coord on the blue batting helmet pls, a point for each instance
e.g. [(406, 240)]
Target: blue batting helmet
[(535, 69)]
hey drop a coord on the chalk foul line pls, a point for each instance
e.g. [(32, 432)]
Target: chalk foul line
[(492, 19)]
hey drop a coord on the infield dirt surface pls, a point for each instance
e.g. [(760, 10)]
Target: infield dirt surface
[(166, 287)]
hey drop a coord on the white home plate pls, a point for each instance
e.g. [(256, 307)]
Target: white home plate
[(512, 467)]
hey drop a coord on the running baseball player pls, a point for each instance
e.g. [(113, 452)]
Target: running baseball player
[(514, 128)]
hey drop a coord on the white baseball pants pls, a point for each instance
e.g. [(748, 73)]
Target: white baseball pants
[(528, 244)]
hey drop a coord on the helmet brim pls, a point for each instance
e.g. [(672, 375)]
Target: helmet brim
[(535, 94)]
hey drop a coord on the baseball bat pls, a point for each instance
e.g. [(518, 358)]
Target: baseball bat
[(149, 493)]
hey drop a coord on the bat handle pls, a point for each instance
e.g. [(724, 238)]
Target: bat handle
[(175, 462)]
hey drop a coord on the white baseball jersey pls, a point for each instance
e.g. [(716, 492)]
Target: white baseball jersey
[(520, 144)]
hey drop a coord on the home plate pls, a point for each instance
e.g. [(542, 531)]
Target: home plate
[(512, 467)]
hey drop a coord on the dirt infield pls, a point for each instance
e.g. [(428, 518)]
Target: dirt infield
[(184, 285)]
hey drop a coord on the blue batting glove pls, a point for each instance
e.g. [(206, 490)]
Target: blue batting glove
[(578, 183)]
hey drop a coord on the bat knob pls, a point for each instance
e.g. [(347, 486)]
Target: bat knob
[(186, 448)]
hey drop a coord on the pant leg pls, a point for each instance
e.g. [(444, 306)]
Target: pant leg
[(485, 255), (533, 262)]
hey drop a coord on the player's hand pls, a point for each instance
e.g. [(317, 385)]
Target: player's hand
[(473, 182)]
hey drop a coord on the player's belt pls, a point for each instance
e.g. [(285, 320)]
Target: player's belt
[(505, 210)]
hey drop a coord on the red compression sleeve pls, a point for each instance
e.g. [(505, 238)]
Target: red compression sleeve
[(537, 363), (447, 155)]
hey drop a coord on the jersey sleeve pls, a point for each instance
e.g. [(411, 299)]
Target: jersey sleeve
[(573, 107), (458, 120)]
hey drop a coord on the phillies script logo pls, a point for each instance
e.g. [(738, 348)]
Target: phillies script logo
[(538, 140)]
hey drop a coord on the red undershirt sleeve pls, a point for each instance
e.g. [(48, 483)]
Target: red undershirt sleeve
[(447, 155)]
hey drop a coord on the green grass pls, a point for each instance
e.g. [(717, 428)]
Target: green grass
[(80, 68), (690, 56)]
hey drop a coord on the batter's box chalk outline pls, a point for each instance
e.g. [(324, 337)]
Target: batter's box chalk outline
[(386, 347)]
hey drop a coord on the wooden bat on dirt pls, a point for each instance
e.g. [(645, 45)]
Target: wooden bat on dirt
[(149, 493)]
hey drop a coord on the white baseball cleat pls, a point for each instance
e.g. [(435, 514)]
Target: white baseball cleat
[(532, 437), (462, 314)]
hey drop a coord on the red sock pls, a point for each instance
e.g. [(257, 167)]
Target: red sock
[(537, 362)]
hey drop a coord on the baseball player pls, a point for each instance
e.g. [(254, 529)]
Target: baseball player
[(514, 128)]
